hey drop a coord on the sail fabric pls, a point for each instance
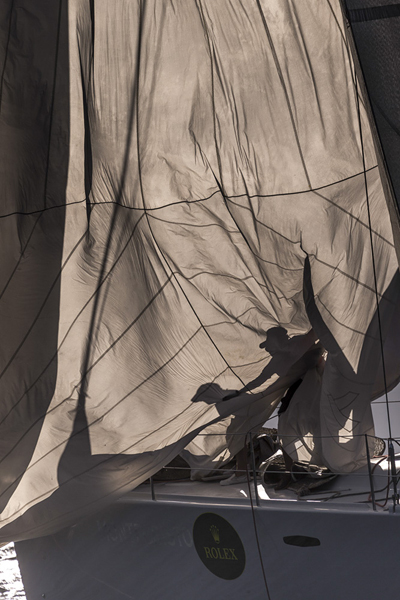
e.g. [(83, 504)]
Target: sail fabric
[(188, 190), (299, 427)]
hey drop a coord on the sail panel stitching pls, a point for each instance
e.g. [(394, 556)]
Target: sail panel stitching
[(336, 268), (56, 279), (98, 419), (299, 241), (157, 245), (357, 219), (362, 333), (84, 375), (77, 316), (180, 202), (21, 256)]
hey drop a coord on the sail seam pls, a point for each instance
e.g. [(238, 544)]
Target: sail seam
[(362, 333), (82, 379), (75, 319), (172, 273), (357, 219), (230, 276), (43, 210), (154, 208), (277, 195), (189, 438), (234, 319), (21, 256), (41, 308), (87, 427), (336, 268), (157, 245)]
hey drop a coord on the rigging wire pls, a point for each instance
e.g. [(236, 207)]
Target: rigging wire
[(373, 259), (390, 442), (255, 526)]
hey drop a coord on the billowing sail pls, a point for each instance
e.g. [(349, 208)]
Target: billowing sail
[(190, 189)]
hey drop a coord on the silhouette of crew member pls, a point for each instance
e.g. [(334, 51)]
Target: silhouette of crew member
[(279, 345), (284, 352)]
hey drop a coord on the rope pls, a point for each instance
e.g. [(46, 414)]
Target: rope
[(255, 529), (390, 444), (373, 258)]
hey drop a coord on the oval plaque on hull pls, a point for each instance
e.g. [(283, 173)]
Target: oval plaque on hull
[(219, 546), (304, 541)]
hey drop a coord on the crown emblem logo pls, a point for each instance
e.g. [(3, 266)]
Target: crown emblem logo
[(215, 533)]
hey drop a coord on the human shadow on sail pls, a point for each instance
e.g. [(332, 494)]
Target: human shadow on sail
[(344, 413), (284, 351), (245, 410), (99, 475), (347, 390)]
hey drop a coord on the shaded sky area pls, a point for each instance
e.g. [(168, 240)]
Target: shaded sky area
[(380, 415)]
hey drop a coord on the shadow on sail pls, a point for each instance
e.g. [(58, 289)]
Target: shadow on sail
[(35, 133)]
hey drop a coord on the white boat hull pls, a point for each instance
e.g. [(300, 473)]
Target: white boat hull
[(146, 550)]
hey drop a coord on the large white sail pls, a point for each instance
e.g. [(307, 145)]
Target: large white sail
[(179, 178)]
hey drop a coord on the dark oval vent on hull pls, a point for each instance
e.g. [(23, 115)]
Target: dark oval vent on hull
[(301, 540)]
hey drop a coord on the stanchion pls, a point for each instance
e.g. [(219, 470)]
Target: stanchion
[(393, 473), (253, 466), (371, 479), (153, 495)]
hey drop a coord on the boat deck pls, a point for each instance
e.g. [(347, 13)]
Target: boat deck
[(351, 490)]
